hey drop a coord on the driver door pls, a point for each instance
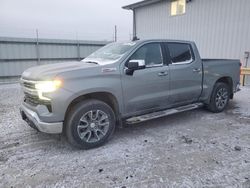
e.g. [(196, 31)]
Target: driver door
[(147, 89)]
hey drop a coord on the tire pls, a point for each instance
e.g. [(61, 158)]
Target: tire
[(219, 98), (89, 124)]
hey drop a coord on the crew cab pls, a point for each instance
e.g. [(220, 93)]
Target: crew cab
[(121, 83)]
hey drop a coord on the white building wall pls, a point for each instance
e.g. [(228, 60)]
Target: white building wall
[(220, 28)]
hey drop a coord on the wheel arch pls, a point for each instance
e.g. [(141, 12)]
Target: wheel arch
[(106, 97), (70, 121), (220, 83), (229, 81)]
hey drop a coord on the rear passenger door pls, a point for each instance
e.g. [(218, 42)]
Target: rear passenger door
[(185, 73)]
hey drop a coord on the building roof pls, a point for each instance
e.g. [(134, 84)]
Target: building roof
[(140, 4), (50, 41)]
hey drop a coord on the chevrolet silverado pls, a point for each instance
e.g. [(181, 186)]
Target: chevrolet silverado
[(121, 83)]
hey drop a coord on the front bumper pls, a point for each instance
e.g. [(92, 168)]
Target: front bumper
[(34, 121)]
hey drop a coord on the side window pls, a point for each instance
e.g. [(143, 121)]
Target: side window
[(150, 53), (180, 53)]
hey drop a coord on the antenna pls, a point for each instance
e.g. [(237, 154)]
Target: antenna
[(115, 33)]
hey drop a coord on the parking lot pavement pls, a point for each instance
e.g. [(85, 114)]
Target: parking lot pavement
[(190, 149)]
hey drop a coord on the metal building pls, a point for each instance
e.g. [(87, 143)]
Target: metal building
[(220, 28), (18, 54)]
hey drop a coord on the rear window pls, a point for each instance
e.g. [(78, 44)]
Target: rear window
[(180, 53)]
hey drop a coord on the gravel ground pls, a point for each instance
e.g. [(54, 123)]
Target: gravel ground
[(191, 149)]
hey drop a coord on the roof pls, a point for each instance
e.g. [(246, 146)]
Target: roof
[(140, 4), (50, 41), (164, 40)]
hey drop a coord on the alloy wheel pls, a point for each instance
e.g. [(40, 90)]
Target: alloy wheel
[(93, 126), (221, 98)]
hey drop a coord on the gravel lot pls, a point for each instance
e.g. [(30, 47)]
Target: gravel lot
[(191, 149)]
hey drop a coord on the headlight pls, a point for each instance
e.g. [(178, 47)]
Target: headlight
[(47, 87)]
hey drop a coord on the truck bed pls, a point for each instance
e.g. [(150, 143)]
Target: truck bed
[(220, 60), (213, 69)]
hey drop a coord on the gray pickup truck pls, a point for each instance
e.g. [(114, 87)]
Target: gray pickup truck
[(124, 83)]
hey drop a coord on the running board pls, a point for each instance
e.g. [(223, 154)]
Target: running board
[(163, 113)]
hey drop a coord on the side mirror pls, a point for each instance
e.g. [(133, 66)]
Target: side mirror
[(134, 65)]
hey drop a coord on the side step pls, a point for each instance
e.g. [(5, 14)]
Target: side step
[(163, 113)]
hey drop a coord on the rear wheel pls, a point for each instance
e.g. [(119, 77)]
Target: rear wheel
[(90, 124), (220, 98)]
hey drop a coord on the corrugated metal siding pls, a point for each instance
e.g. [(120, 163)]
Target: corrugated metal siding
[(86, 51), (17, 54), (15, 68), (17, 51), (220, 28), (58, 51)]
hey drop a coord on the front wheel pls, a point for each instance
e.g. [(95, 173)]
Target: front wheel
[(219, 98), (89, 124)]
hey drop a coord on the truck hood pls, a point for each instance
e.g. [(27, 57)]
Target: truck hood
[(46, 72)]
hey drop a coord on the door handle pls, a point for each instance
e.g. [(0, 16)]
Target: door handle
[(162, 73), (197, 70)]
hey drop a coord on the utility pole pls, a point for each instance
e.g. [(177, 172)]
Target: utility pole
[(37, 48), (115, 33), (78, 47)]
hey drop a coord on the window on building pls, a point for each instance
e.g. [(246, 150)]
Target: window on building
[(178, 7), (180, 53)]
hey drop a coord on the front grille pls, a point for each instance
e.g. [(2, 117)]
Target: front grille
[(30, 85), (31, 95), (34, 100), (31, 99)]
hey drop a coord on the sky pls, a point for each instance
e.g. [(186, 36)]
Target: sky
[(66, 19)]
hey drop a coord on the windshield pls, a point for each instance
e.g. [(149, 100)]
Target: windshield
[(111, 52)]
